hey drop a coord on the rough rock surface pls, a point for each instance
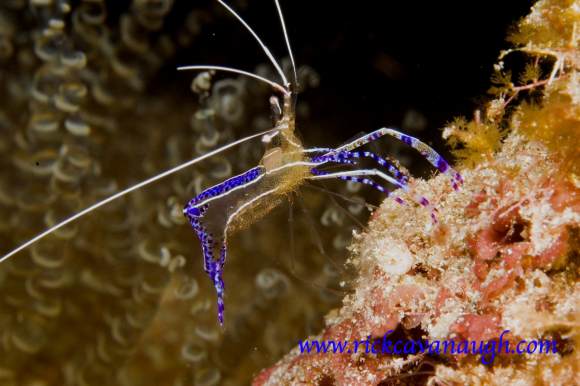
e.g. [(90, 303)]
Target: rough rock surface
[(504, 254)]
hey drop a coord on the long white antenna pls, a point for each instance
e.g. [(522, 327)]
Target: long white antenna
[(266, 50), (235, 70), (127, 191), (287, 41)]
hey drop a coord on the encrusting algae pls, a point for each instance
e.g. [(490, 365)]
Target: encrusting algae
[(505, 253)]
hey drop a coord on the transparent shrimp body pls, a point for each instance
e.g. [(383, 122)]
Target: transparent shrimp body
[(241, 200)]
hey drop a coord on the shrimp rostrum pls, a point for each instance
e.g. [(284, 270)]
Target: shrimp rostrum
[(241, 200)]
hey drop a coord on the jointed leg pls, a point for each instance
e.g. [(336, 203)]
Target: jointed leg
[(354, 176), (318, 150), (344, 156), (368, 181), (426, 151), (218, 282), (373, 172), (321, 175), (212, 266), (214, 269), (322, 160)]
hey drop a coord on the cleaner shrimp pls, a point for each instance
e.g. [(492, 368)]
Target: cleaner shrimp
[(241, 200)]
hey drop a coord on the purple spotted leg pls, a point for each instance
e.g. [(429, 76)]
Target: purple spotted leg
[(209, 213), (368, 181), (216, 269), (212, 266), (426, 151), (343, 156)]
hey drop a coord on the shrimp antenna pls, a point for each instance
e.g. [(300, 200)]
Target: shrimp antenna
[(127, 191), (277, 86), (287, 41), (266, 50)]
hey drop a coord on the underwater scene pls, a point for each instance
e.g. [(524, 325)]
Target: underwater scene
[(276, 192)]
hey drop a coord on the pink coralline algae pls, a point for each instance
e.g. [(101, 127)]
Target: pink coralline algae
[(503, 256)]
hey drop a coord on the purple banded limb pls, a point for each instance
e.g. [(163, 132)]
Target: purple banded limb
[(335, 158), (346, 156), (368, 181), (343, 154), (377, 173), (355, 175), (212, 266), (210, 213), (426, 151)]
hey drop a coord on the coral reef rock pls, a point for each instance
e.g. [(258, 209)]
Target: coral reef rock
[(504, 254)]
